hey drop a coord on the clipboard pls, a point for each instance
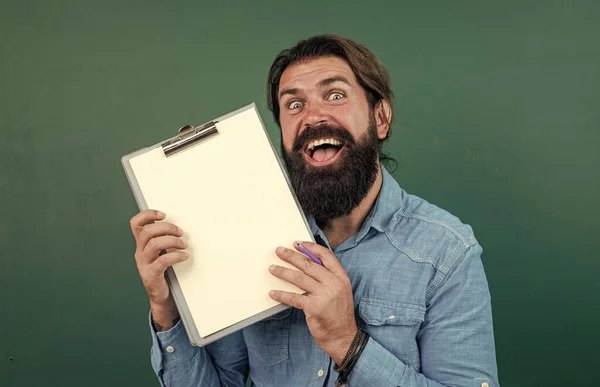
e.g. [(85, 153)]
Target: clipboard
[(223, 184)]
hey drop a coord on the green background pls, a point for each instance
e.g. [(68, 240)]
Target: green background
[(496, 119)]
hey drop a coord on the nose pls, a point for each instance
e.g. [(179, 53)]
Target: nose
[(314, 115)]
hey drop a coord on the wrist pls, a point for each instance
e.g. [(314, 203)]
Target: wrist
[(347, 365), (164, 316), (343, 346)]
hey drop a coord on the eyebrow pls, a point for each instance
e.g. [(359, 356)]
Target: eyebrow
[(329, 81), (288, 91), (322, 83)]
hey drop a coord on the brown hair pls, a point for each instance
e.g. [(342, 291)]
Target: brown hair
[(372, 76)]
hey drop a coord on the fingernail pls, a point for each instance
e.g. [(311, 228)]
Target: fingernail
[(160, 214), (185, 255), (271, 293), (185, 245), (280, 250), (272, 267), (180, 230)]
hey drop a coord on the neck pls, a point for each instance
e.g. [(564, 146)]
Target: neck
[(339, 229)]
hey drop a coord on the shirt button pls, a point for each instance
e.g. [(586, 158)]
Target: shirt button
[(171, 349), (320, 373), (484, 384)]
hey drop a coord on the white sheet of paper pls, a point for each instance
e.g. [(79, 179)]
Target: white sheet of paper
[(232, 201)]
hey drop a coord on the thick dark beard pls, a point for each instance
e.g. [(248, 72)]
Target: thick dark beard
[(331, 192)]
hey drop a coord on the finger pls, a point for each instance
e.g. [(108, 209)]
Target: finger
[(330, 261), (157, 244), (161, 264), (154, 230), (297, 278), (292, 299), (302, 262), (143, 218)]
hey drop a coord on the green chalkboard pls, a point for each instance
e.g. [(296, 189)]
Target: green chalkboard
[(497, 119)]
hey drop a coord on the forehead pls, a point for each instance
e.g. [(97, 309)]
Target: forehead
[(308, 73)]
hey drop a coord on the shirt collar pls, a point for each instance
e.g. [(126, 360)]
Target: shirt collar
[(387, 204)]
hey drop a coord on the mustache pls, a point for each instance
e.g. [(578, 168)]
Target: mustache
[(321, 131)]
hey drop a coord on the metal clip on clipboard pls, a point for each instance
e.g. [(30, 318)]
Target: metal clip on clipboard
[(187, 136)]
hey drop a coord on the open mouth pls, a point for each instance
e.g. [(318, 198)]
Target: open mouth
[(323, 151)]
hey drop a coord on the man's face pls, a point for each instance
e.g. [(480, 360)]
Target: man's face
[(329, 136)]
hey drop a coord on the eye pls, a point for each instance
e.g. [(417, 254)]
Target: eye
[(336, 95), (294, 105)]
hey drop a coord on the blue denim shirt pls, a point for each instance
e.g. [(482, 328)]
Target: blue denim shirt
[(420, 292)]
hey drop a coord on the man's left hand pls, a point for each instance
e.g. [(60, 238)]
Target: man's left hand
[(328, 304)]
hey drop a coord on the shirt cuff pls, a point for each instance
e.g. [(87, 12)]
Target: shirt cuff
[(170, 348), (376, 366)]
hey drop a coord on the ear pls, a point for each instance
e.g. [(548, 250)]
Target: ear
[(383, 118)]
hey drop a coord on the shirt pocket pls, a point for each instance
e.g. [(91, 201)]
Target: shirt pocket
[(268, 339), (395, 326)]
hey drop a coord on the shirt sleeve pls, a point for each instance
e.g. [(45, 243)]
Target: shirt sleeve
[(178, 363), (456, 339)]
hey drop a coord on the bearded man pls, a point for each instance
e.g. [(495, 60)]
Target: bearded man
[(401, 298)]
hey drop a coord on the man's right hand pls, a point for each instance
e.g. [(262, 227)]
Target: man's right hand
[(151, 239)]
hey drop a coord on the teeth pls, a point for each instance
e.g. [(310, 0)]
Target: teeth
[(330, 141)]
